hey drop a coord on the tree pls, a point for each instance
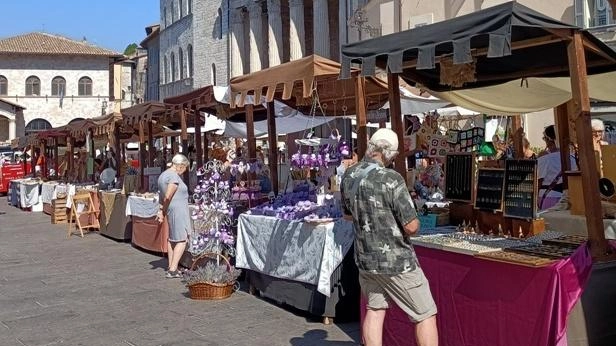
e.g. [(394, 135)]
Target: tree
[(130, 49)]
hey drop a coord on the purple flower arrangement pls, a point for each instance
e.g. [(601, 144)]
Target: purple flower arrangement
[(239, 167), (325, 155)]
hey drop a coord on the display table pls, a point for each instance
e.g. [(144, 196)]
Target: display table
[(113, 220), (307, 266), (564, 222), (148, 233), (482, 302)]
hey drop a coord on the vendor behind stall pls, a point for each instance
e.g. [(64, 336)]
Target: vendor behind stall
[(550, 171)]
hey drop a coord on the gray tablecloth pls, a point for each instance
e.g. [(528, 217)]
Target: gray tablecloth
[(48, 192), (141, 207), (563, 221), (293, 250)]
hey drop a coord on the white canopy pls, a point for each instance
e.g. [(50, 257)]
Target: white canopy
[(529, 94)]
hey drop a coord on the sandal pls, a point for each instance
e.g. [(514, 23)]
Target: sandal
[(173, 275)]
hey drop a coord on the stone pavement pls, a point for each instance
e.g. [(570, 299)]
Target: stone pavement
[(96, 291)]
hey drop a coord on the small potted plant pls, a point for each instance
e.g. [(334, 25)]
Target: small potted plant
[(212, 281)]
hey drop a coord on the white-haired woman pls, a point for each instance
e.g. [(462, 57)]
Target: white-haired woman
[(174, 209), (598, 130)]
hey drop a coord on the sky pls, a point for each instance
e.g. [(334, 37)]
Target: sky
[(111, 24)]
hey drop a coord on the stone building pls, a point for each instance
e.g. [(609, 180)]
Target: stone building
[(207, 42), (56, 80), (152, 45)]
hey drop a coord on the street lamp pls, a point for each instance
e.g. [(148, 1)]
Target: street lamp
[(359, 20)]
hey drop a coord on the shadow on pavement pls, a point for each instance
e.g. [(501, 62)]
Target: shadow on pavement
[(318, 337)]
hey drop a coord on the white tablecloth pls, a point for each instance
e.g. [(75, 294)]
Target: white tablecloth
[(28, 193), (293, 250), (141, 207), (563, 221)]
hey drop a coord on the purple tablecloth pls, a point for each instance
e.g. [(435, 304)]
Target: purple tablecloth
[(483, 302)]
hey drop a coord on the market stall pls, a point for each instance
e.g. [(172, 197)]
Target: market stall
[(472, 57), (147, 232), (286, 268)]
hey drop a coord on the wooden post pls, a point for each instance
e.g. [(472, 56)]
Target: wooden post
[(518, 136), (184, 136), (561, 121), (43, 152), (360, 116), (120, 157), (164, 164), (590, 176), (142, 156), (250, 131), (55, 157), (69, 148), (272, 137), (396, 120), (198, 144), (206, 147), (151, 151)]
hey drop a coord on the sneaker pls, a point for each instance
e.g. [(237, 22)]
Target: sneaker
[(173, 275)]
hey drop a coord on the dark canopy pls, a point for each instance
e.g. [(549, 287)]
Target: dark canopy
[(526, 43)]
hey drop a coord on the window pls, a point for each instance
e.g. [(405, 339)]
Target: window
[(4, 86), (85, 86), (37, 125), (172, 12), (33, 86), (181, 56), (165, 70), (58, 86), (75, 120), (181, 6), (213, 74), (189, 6), (189, 71), (165, 17), (219, 24), (172, 67)]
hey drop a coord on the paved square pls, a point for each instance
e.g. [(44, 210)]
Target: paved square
[(96, 291)]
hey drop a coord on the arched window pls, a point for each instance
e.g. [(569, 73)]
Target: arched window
[(37, 125), (75, 120), (189, 54), (181, 8), (213, 74), (172, 8), (33, 86), (172, 67), (4, 86), (189, 7), (85, 86), (165, 70), (181, 57), (58, 86), (219, 23)]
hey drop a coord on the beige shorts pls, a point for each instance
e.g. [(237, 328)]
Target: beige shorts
[(410, 291)]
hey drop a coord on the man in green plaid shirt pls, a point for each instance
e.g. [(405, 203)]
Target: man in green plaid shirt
[(383, 214)]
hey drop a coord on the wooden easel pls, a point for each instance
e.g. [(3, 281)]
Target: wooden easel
[(86, 200)]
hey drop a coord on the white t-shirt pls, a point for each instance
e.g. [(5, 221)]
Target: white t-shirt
[(548, 167)]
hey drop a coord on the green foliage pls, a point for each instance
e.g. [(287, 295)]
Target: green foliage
[(212, 273), (130, 49)]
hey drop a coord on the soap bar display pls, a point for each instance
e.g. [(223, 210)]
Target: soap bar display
[(459, 177), (489, 192), (520, 200)]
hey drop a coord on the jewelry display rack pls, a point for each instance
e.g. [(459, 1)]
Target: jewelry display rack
[(520, 195), (489, 191), (459, 177)]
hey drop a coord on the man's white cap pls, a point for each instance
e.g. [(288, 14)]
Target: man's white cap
[(386, 135)]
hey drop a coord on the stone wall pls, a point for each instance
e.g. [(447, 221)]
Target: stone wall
[(211, 48)]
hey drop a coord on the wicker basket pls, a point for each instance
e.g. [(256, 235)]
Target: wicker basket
[(210, 291)]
